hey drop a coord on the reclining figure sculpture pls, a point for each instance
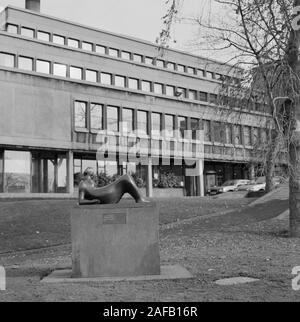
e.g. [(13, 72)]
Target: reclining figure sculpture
[(110, 194)]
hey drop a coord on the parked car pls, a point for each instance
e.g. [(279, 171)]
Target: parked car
[(259, 184), (230, 185)]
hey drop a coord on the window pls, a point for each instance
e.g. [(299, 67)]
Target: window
[(127, 120), (200, 72), (181, 92), (75, 72), (181, 68), (149, 60), (7, 60), (142, 122), (59, 70), (59, 40), (113, 52), (209, 75), (74, 43), (237, 135), (171, 65), (213, 98), (203, 96), (91, 75), (96, 117), (80, 110), (133, 83), (247, 135), (190, 70), (160, 63), (219, 135), (237, 81), (192, 94), (120, 81), (169, 125), (125, 55), (170, 90), (27, 32), (45, 36), (263, 136), (13, 29), (146, 86), (228, 133), (195, 128), (106, 78), (100, 49), (257, 106), (87, 46), (155, 124), (113, 118), (255, 131), (182, 126), (158, 88), (43, 66), (137, 58), (17, 166), (207, 130), (218, 76), (26, 63)]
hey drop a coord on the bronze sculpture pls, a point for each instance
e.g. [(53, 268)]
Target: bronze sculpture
[(110, 194)]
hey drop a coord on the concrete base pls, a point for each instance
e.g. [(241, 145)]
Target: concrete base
[(115, 240), (169, 272)]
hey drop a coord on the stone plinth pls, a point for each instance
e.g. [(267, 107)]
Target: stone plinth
[(115, 240)]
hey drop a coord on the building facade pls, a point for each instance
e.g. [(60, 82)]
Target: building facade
[(73, 96)]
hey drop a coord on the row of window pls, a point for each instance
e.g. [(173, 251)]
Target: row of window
[(88, 46), (92, 116), (79, 73), (97, 117)]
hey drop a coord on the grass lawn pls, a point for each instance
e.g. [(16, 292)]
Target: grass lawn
[(210, 248), (34, 224)]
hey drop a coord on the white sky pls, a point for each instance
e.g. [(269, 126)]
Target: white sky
[(138, 18)]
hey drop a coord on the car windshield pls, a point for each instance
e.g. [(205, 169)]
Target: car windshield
[(260, 180), (228, 183)]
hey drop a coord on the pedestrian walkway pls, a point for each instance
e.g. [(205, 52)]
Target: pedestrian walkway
[(267, 207)]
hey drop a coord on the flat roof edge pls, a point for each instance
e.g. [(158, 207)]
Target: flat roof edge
[(120, 35)]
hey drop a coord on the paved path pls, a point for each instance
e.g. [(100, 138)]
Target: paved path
[(268, 207)]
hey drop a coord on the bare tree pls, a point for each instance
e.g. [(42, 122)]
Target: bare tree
[(263, 47)]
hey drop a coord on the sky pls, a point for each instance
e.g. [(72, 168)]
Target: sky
[(137, 18)]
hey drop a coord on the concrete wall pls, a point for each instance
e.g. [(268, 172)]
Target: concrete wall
[(33, 113)]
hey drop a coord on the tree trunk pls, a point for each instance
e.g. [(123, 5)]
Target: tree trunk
[(271, 161), (294, 148), (294, 197)]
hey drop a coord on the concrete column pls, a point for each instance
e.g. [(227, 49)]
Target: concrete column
[(201, 177), (149, 183), (252, 172), (198, 174), (70, 160)]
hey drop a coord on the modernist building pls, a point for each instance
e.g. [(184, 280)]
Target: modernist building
[(63, 85)]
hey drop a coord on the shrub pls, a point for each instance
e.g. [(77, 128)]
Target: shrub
[(138, 181), (169, 180)]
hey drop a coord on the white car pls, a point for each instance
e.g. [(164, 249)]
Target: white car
[(230, 185), (260, 184), (258, 187)]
